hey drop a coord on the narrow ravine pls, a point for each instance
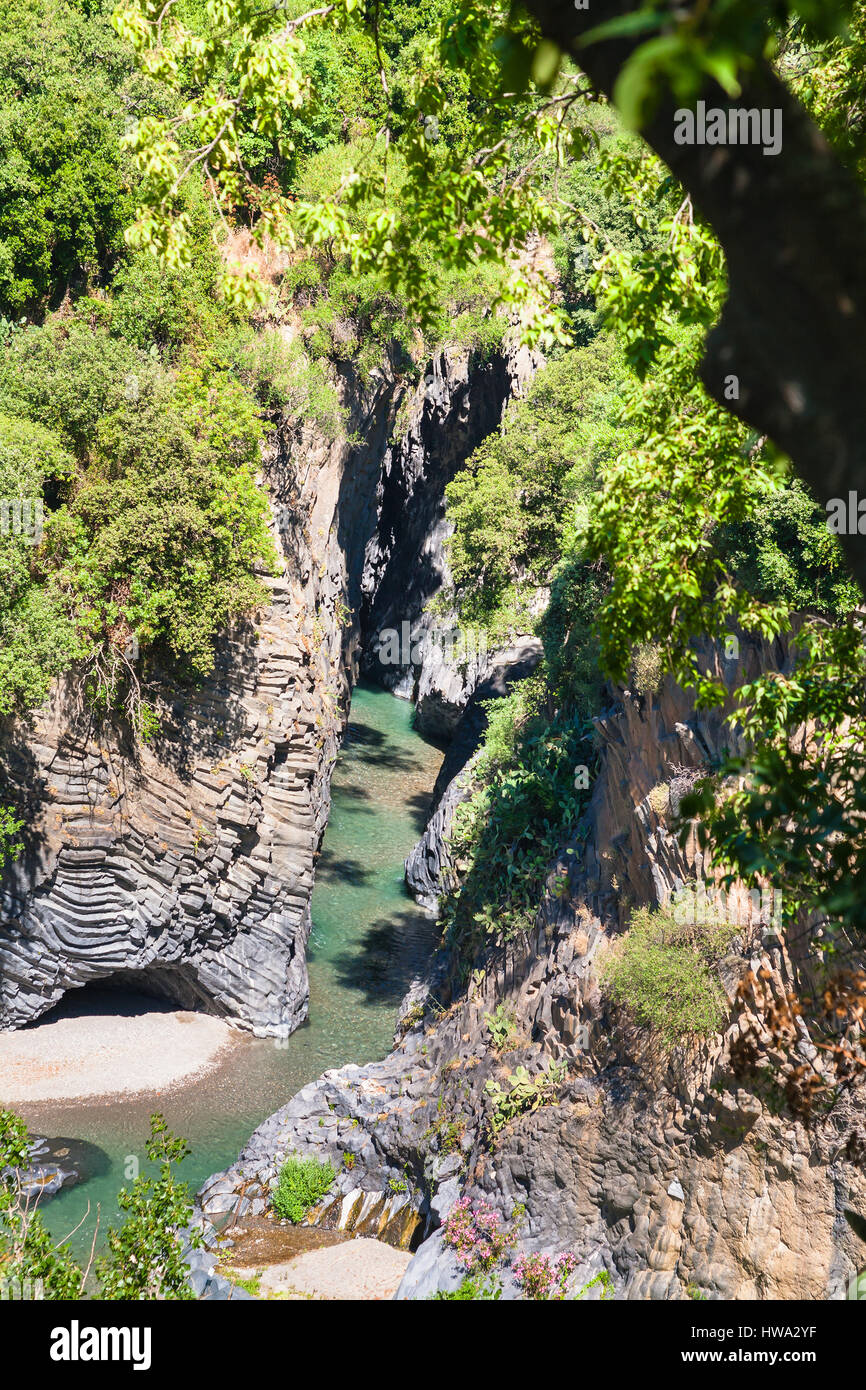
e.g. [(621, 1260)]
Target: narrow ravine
[(368, 942)]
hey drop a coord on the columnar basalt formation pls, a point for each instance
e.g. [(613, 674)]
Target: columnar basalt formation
[(667, 1173), (185, 868)]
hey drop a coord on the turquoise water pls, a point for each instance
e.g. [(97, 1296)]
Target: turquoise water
[(367, 942)]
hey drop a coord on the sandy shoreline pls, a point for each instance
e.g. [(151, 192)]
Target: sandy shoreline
[(110, 1045)]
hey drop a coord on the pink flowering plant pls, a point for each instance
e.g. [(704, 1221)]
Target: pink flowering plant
[(476, 1236), (539, 1277)]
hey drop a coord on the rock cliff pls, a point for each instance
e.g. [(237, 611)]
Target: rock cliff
[(185, 868), (666, 1172)]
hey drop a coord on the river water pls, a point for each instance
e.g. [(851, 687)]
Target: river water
[(367, 943)]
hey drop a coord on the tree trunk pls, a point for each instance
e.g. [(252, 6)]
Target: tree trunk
[(793, 230)]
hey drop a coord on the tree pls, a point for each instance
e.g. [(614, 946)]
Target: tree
[(794, 320), (792, 227)]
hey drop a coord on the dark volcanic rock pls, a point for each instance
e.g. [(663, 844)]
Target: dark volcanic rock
[(184, 869), (55, 1164), (428, 866)]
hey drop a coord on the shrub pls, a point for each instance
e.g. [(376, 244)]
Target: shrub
[(301, 1184), (665, 973), (485, 1288), (476, 1236), (156, 525), (503, 1027), (525, 1094), (10, 845), (144, 1257), (524, 805), (540, 1278), (647, 667)]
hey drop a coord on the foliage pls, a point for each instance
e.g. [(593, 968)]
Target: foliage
[(144, 1254), (793, 811), (37, 638), (665, 974), (479, 1288), (828, 75), (469, 214), (157, 526), (476, 1236), (601, 1280), (523, 1095), (722, 40), (529, 486), (10, 845), (301, 1184), (156, 308), (28, 1253), (694, 526), (525, 803), (784, 551), (64, 190), (503, 1027), (703, 533), (647, 667), (541, 1279), (285, 382), (144, 1257)]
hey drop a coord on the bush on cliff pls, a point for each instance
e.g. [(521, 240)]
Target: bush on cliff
[(153, 523), (301, 1184), (665, 974)]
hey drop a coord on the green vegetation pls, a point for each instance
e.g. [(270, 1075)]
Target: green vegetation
[(143, 1259), (665, 974), (477, 1288), (527, 490), (10, 845), (503, 1027), (524, 805), (251, 1283), (157, 524), (301, 1184), (523, 1094), (144, 1254), (65, 80)]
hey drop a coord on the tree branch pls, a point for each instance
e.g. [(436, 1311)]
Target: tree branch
[(793, 230)]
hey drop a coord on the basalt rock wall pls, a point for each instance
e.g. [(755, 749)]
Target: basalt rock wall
[(185, 868), (665, 1173)]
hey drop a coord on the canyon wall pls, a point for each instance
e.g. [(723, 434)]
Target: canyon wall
[(664, 1171), (185, 868)]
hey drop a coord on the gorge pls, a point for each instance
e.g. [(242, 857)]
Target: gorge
[(432, 724)]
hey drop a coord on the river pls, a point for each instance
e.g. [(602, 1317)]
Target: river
[(368, 941)]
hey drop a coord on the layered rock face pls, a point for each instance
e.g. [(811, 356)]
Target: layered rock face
[(185, 868), (421, 657), (668, 1174)]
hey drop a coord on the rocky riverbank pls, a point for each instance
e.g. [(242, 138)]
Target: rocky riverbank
[(664, 1173)]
